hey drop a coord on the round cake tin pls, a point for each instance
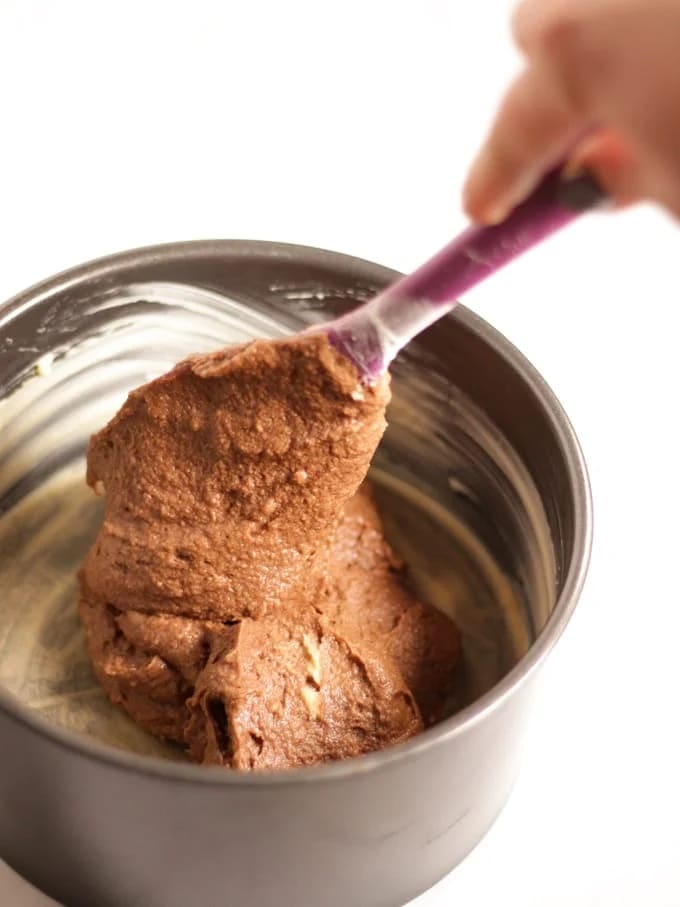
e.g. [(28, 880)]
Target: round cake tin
[(479, 459)]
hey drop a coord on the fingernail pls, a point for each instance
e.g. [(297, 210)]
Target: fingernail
[(500, 209), (495, 214)]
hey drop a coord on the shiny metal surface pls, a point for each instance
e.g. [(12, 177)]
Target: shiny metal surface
[(485, 493)]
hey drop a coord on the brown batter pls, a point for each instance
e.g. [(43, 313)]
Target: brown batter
[(240, 597)]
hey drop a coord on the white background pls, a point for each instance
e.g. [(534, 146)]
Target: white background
[(349, 125)]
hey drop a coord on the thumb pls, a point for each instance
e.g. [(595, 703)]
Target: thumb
[(614, 164)]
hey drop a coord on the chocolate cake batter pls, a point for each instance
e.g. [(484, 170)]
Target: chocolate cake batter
[(240, 598)]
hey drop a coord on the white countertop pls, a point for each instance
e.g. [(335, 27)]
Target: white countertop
[(349, 126)]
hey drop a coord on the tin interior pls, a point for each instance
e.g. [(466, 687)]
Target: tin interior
[(459, 501)]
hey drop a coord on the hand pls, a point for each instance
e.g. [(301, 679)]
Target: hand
[(605, 69)]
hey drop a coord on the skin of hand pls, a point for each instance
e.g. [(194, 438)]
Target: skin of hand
[(602, 79)]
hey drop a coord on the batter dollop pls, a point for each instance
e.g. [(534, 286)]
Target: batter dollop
[(240, 597)]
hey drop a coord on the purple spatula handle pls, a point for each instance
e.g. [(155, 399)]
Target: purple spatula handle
[(373, 334)]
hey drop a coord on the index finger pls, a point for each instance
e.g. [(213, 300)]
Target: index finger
[(538, 24), (536, 122)]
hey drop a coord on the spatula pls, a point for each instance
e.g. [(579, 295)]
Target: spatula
[(372, 335)]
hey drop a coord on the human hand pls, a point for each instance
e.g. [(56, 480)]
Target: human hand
[(605, 69)]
